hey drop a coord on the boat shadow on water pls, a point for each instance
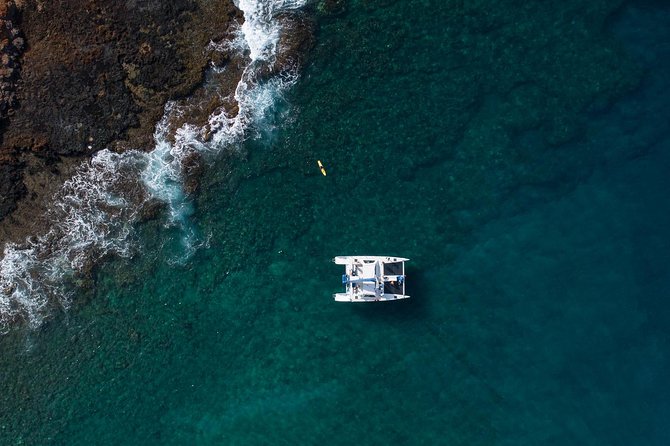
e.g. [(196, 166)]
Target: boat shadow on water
[(413, 309)]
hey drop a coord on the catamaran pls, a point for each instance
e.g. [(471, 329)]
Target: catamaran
[(372, 278)]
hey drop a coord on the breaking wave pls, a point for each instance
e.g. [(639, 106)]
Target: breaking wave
[(94, 213), (92, 217)]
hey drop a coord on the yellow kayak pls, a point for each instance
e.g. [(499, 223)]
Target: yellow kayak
[(323, 169)]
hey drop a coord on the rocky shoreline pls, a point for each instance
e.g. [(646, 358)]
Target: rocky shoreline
[(109, 111), (78, 76)]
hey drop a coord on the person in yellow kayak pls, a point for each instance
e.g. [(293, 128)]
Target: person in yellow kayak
[(323, 169)]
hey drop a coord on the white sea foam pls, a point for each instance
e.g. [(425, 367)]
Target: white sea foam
[(163, 172), (95, 211), (258, 37), (260, 30), (90, 219)]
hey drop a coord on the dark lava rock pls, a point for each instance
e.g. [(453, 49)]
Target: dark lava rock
[(93, 70), (11, 186)]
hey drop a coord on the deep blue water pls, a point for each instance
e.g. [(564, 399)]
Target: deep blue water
[(517, 153)]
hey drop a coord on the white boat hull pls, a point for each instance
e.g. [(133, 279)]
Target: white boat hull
[(372, 278), (345, 297)]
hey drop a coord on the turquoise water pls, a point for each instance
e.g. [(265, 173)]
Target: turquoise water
[(518, 154)]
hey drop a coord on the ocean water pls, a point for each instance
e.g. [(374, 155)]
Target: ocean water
[(517, 153)]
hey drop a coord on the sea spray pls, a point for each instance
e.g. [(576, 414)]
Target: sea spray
[(94, 213)]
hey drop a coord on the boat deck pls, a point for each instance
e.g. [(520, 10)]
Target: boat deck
[(372, 279)]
